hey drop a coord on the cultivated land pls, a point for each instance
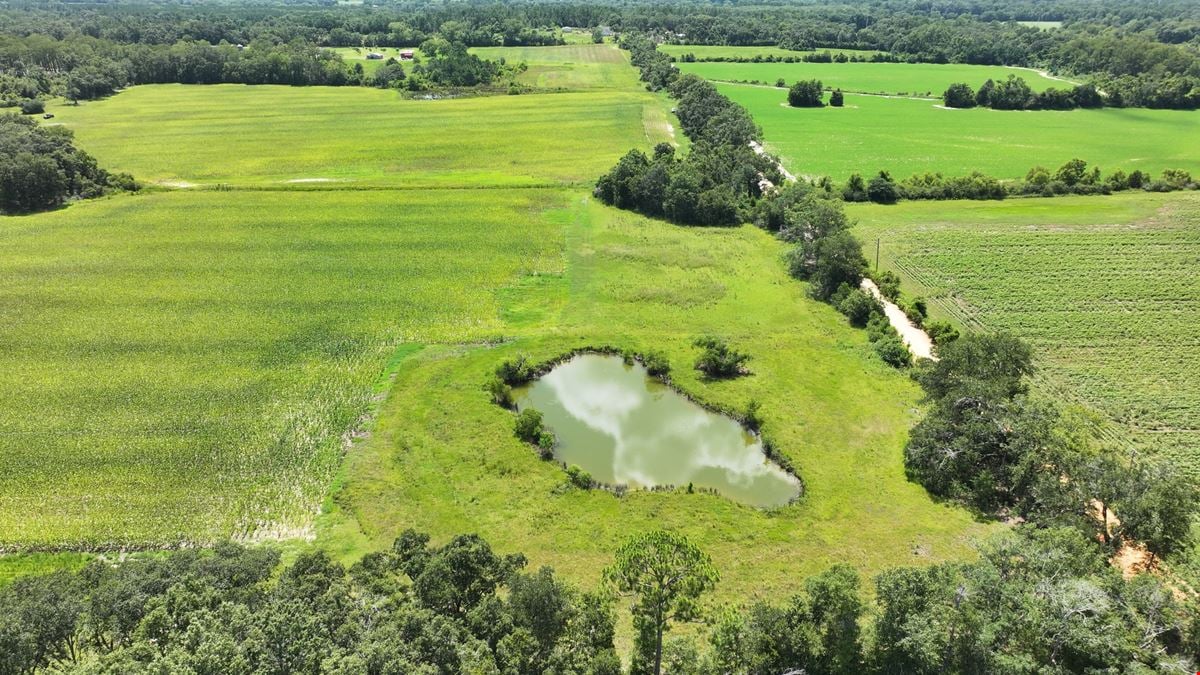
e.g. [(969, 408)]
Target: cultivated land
[(722, 51), (576, 66), (257, 135), (1104, 289), (906, 136), (908, 79), (210, 349)]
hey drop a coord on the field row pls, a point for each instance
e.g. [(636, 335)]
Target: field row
[(1111, 308)]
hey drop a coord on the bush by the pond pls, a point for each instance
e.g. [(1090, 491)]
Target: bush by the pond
[(916, 311), (580, 478), (515, 371), (500, 392), (718, 359), (656, 363), (751, 418), (529, 427)]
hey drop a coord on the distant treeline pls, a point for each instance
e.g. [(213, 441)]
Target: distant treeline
[(82, 68), (1144, 52), (1014, 93), (824, 56)]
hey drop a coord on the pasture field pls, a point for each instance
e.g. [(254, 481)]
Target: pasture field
[(442, 457), (905, 79), (243, 135), (764, 51), (905, 136), (1104, 288), (576, 66)]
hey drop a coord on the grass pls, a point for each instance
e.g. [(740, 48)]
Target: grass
[(906, 136), (574, 67), (445, 453), (907, 79), (763, 51), (1104, 289), (242, 135)]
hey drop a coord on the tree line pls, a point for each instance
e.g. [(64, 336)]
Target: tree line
[(82, 68), (1143, 53), (40, 168), (1038, 599)]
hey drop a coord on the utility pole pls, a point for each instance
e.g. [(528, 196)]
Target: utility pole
[(876, 254)]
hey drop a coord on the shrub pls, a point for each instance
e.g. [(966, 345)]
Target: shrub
[(656, 363), (500, 392), (836, 99), (529, 426), (751, 418), (32, 106), (941, 332), (515, 371), (893, 352), (858, 306), (806, 94), (780, 83), (718, 360), (882, 190), (579, 478), (889, 284), (959, 95), (545, 443)]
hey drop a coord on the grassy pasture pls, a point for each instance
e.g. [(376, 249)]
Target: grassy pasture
[(907, 136), (1104, 288), (576, 66), (442, 458), (908, 79), (245, 135), (722, 51)]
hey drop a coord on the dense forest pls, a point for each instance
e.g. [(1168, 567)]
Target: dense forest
[(1145, 54)]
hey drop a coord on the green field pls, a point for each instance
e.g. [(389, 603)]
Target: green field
[(723, 51), (578, 66), (906, 136), (905, 79), (1104, 288), (313, 136), (223, 345)]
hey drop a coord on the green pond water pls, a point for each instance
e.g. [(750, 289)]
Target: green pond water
[(624, 427)]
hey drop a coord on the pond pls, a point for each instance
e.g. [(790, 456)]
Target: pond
[(624, 427)]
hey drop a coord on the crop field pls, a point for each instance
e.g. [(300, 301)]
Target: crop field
[(764, 51), (1104, 288), (212, 352), (309, 137), (221, 344), (578, 66), (905, 136), (904, 79)]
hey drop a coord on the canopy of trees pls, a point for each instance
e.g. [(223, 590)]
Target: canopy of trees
[(40, 168)]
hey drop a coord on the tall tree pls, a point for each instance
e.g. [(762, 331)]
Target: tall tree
[(666, 574)]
